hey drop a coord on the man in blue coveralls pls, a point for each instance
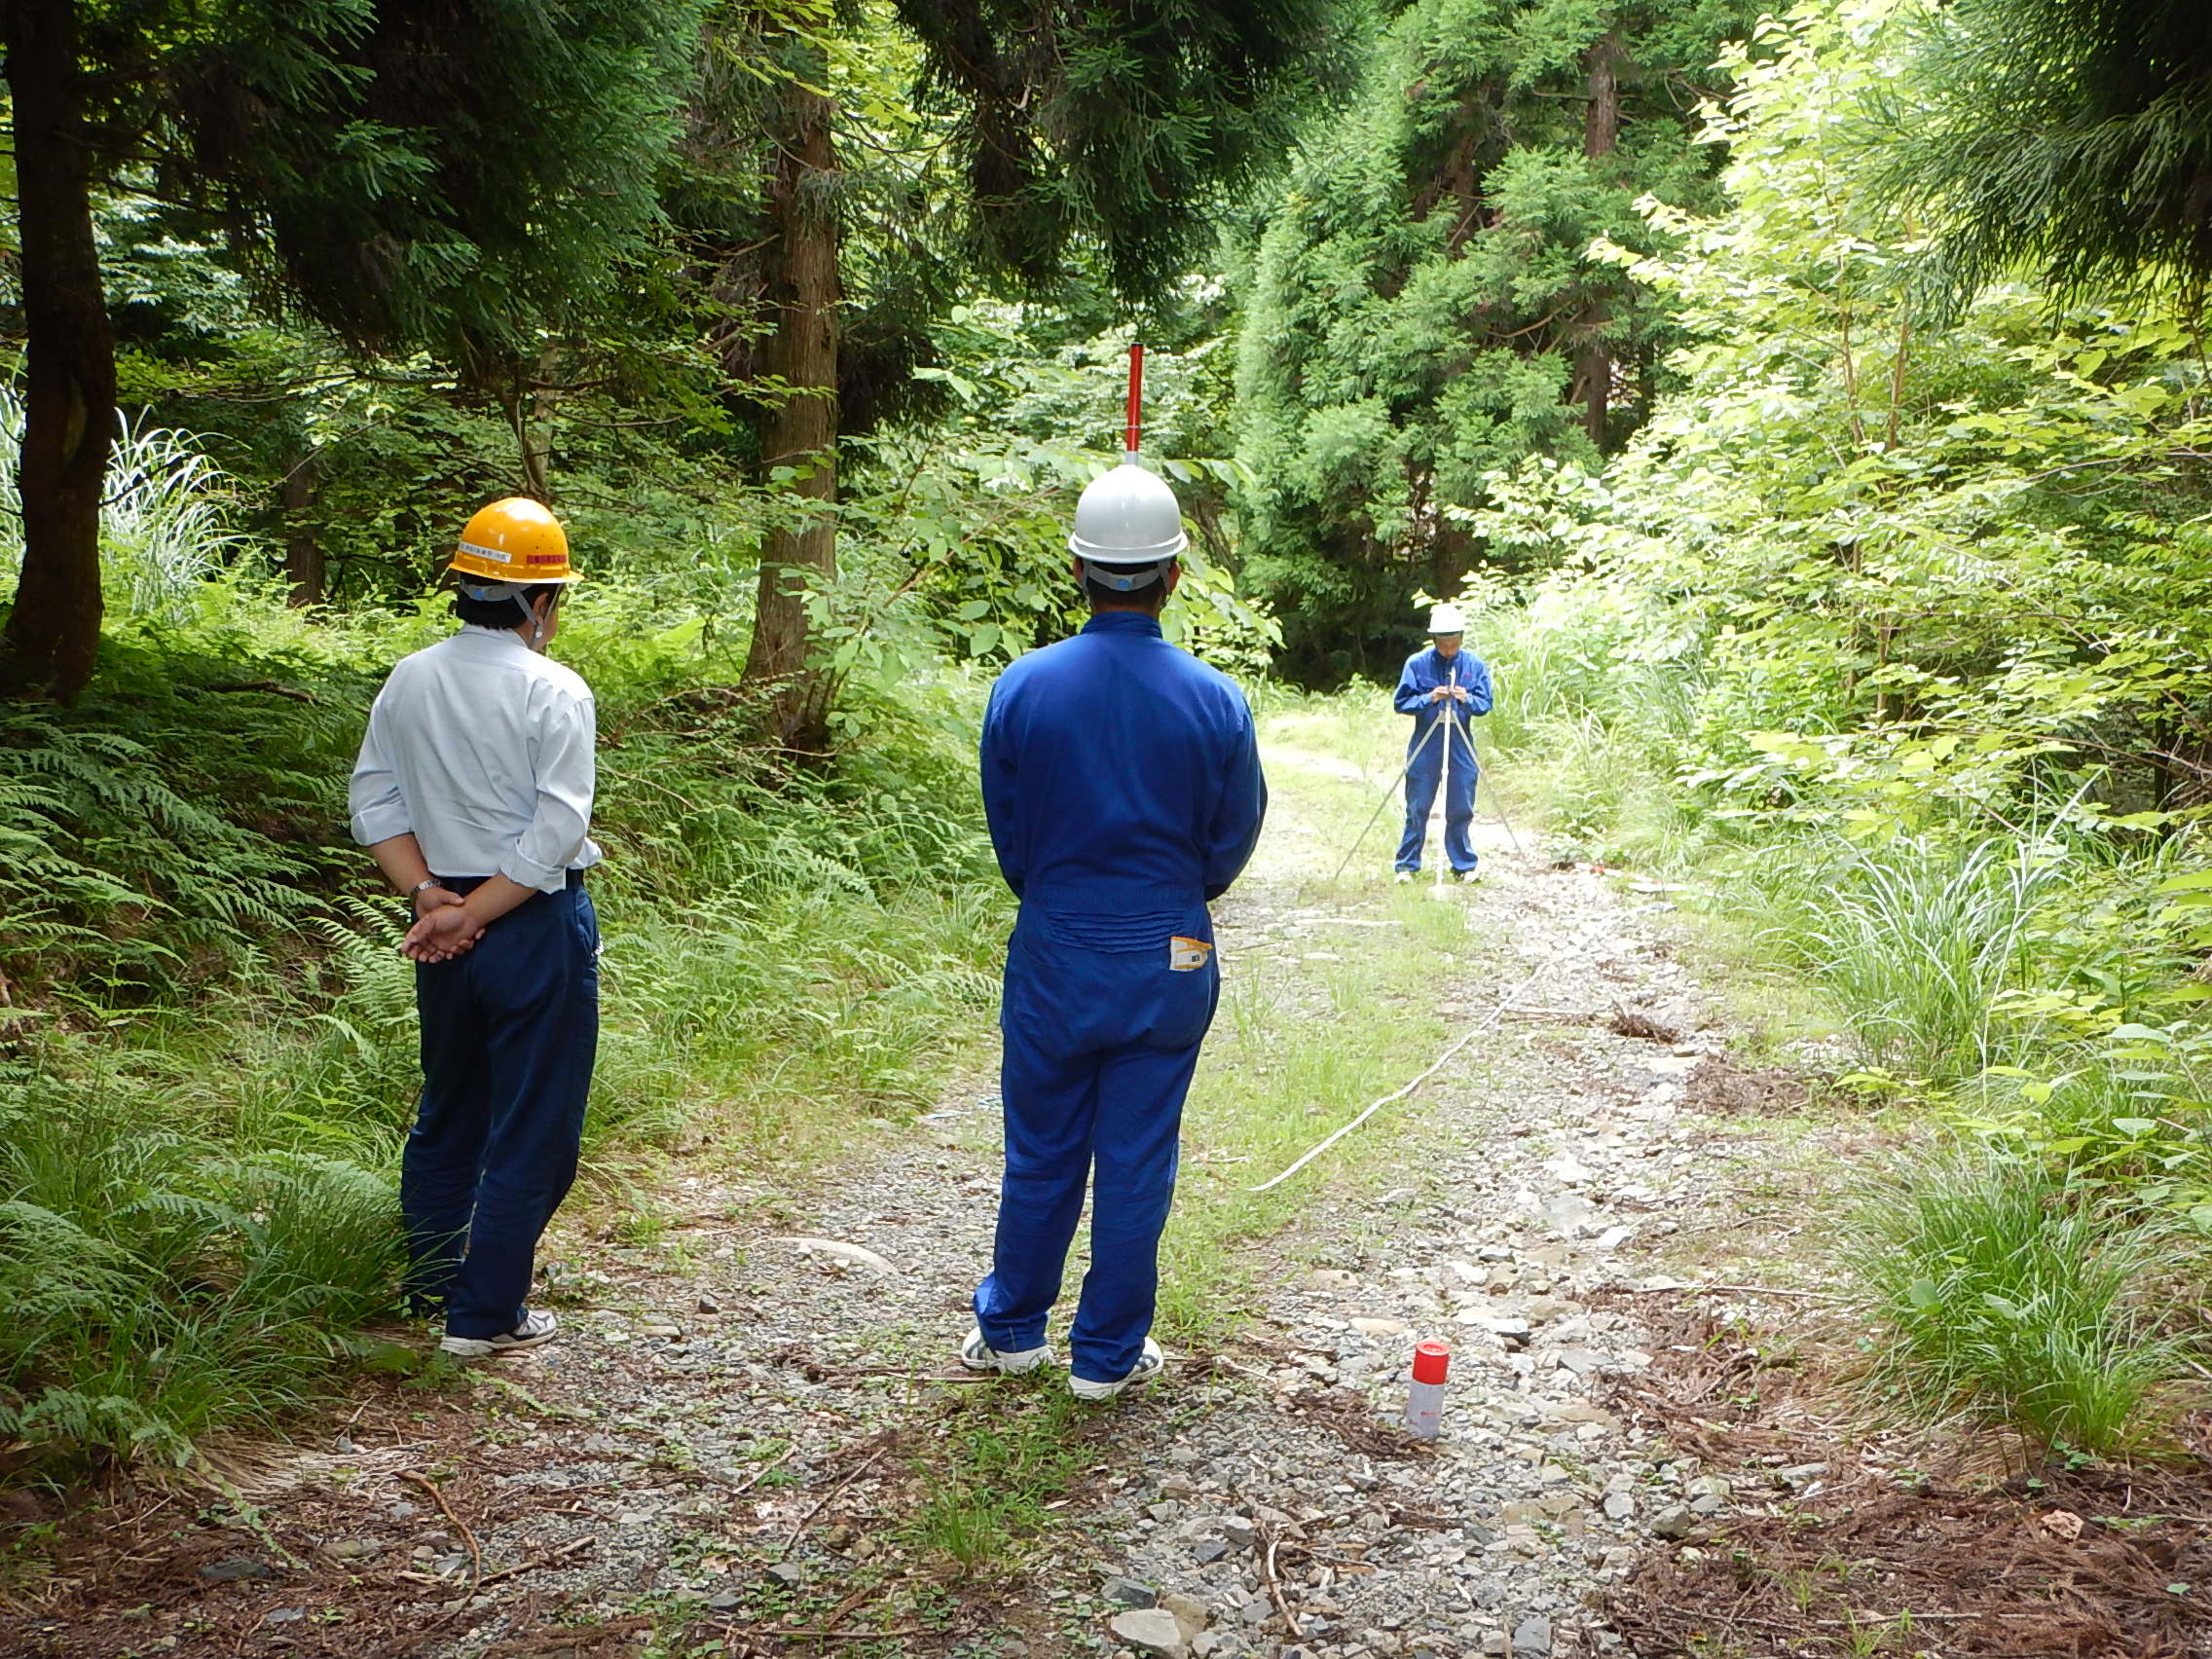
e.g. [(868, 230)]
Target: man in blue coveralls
[(1122, 782), (1441, 687)]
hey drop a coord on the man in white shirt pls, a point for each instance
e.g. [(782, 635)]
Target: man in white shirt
[(473, 792)]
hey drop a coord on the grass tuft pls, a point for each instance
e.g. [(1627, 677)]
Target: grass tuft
[(2002, 1290)]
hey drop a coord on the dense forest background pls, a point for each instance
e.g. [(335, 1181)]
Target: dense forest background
[(1813, 406)]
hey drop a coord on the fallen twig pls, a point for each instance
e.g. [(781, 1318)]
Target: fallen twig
[(847, 1479), (565, 1635), (475, 1554), (764, 1471), (1728, 1290), (1275, 1587), (777, 1634), (567, 1413), (552, 1558)]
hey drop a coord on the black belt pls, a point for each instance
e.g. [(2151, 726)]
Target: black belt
[(465, 884)]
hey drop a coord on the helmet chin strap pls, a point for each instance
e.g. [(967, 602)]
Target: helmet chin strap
[(535, 618)]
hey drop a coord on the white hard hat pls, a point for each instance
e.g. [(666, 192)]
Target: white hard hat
[(1127, 517), (1445, 620)]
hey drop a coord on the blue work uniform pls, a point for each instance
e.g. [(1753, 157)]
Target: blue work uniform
[(1424, 673), (1122, 782)]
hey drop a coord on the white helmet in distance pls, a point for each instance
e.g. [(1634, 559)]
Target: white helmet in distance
[(1127, 525)]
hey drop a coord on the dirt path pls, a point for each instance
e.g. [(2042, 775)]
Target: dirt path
[(751, 1439)]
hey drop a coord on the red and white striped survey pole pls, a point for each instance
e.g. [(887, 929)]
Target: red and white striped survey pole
[(1136, 402)]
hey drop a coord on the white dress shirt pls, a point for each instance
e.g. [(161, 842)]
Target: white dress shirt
[(482, 747)]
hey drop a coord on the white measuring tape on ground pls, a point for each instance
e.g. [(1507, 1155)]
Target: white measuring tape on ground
[(1504, 1006)]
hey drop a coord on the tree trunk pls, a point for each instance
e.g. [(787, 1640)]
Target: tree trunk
[(304, 567), (53, 632), (802, 432), (532, 411), (1593, 385)]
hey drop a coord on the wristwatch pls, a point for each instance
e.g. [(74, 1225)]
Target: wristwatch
[(415, 891)]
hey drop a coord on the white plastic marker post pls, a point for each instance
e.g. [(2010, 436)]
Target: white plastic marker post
[(1424, 1394), (1137, 403)]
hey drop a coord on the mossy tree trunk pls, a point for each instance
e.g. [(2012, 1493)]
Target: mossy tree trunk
[(802, 290)]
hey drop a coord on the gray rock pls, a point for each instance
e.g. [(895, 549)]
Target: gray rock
[(726, 1601), (285, 1615), (1619, 1506), (354, 1549), (234, 1567), (1130, 1592), (1188, 1611), (788, 1572), (1209, 1551), (1533, 1636), (1800, 1474), (1148, 1630), (1673, 1521), (1238, 1530)]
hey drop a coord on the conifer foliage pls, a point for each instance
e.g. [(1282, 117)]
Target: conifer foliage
[(2069, 138), (420, 174), (1423, 307)]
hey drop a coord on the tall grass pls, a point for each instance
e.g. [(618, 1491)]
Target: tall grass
[(162, 531), (1916, 940), (2003, 1290), (1981, 968)]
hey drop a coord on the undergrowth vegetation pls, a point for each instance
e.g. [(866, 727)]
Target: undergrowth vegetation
[(209, 1061), (1860, 641)]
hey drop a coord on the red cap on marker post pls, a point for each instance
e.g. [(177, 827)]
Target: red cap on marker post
[(1431, 1360)]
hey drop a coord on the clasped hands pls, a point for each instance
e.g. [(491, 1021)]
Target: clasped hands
[(1458, 693), (443, 927)]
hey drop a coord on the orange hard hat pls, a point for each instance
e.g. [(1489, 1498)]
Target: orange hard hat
[(515, 540)]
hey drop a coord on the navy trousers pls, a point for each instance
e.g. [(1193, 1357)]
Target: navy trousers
[(1422, 782), (1099, 1050), (509, 1033)]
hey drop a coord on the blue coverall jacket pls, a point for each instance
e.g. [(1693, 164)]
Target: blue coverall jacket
[(1122, 782), (1424, 673)]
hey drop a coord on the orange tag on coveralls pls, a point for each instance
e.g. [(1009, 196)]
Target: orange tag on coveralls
[(1187, 955)]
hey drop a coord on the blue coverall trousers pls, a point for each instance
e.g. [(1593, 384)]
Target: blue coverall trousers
[(510, 1030), (1099, 1048), (1421, 780)]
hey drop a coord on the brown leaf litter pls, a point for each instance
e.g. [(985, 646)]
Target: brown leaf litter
[(1969, 1558)]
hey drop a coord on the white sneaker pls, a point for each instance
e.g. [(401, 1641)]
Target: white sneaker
[(977, 1354), (537, 1326), (1149, 1364), (1403, 876), (1468, 877)]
